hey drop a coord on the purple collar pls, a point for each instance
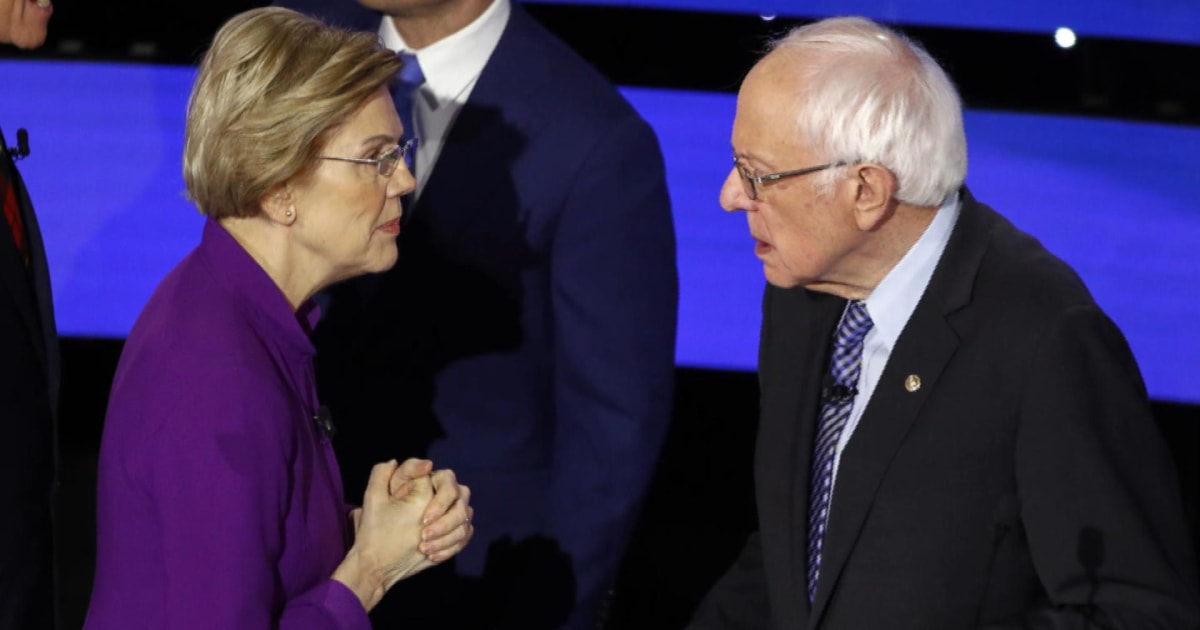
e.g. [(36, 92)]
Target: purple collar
[(255, 291)]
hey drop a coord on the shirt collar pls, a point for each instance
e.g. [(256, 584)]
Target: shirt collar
[(452, 64), (896, 297), (255, 291)]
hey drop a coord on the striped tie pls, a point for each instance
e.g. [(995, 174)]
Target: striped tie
[(845, 364)]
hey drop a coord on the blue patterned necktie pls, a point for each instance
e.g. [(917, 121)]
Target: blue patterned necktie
[(846, 365), (403, 89)]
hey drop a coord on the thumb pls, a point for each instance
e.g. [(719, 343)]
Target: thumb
[(420, 488), (377, 484), (412, 468)]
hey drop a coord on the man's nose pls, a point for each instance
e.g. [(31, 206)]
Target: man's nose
[(733, 194)]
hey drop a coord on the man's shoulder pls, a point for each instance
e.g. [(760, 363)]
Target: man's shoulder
[(570, 84), (1008, 282), (1021, 266)]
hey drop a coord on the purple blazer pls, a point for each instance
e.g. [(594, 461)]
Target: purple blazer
[(219, 502)]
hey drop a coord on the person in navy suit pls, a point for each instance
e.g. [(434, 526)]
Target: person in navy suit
[(29, 376), (953, 434), (526, 337)]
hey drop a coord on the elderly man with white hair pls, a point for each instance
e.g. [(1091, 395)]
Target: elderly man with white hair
[(953, 434)]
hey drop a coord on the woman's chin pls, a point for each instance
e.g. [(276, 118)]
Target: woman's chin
[(386, 261)]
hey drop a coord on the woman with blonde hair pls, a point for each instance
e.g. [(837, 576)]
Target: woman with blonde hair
[(219, 498)]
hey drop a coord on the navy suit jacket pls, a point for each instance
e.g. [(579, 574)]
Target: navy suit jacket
[(525, 338), (1022, 485), (29, 368)]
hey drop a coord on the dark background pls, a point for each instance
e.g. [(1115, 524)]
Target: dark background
[(701, 504)]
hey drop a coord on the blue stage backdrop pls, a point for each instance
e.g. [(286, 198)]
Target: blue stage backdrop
[(1156, 20), (1115, 199)]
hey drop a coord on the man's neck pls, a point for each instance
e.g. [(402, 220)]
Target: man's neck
[(424, 28), (879, 253)]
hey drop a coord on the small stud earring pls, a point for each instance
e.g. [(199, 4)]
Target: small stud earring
[(288, 213)]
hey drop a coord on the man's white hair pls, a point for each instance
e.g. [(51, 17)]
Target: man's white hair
[(869, 94)]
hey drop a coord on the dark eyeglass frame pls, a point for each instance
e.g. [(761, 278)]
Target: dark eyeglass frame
[(750, 182), (388, 159)]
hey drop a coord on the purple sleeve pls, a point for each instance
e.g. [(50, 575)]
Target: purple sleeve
[(330, 604)]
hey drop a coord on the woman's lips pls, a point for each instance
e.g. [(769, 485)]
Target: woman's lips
[(391, 227)]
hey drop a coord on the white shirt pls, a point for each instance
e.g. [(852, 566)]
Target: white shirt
[(451, 67), (890, 305)]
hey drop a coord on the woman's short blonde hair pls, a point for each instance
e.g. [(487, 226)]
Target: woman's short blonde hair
[(272, 88)]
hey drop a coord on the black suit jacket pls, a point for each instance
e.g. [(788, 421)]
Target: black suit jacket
[(29, 367), (1024, 484)]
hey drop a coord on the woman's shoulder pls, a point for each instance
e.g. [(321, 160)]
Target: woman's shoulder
[(192, 319), (194, 342)]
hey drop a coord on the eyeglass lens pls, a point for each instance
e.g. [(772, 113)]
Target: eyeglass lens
[(388, 161), (747, 183)]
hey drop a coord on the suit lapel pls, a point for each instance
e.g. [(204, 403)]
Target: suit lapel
[(887, 419), (40, 270), (15, 278), (924, 348), (794, 358)]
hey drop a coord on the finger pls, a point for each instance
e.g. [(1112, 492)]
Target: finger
[(445, 484), (446, 510), (27, 24), (10, 20), (399, 486), (412, 468), (461, 537), (447, 491), (444, 478), (448, 545), (457, 516)]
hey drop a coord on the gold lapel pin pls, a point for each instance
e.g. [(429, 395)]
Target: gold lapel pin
[(912, 383)]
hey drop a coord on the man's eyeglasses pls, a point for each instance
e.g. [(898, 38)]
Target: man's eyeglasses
[(751, 182), (387, 161)]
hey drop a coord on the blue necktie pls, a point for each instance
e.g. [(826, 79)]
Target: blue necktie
[(403, 89), (846, 365)]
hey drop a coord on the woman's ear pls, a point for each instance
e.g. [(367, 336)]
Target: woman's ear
[(875, 193), (279, 205)]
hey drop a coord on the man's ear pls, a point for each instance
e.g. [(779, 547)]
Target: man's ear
[(874, 196), (279, 205)]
